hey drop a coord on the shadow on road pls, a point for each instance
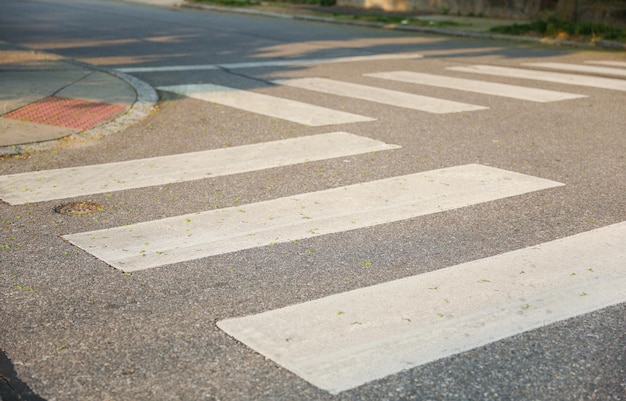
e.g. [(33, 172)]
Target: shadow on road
[(11, 387)]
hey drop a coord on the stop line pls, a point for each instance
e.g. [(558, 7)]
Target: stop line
[(273, 63), (198, 235)]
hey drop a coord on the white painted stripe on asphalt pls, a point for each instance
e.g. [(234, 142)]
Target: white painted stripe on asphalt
[(561, 78), (621, 64), (272, 63), (285, 109), (70, 182), (579, 68), (488, 88), (380, 95), (170, 68), (350, 59), (214, 232), (346, 340)]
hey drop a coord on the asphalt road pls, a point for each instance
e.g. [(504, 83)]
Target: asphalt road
[(75, 328)]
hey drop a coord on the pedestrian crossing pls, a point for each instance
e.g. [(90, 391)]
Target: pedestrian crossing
[(486, 88), (314, 115), (193, 236), (47, 185), (380, 95), (621, 64), (345, 340), (619, 72), (285, 109), (348, 339), (556, 77)]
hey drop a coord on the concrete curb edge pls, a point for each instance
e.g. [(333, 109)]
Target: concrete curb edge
[(145, 102)]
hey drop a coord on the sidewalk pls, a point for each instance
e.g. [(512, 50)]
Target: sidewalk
[(45, 98)]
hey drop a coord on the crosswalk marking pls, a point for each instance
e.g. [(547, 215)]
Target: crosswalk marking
[(69, 182), (193, 236), (345, 340), (621, 64), (170, 68), (285, 109), (562, 78), (380, 95), (272, 63), (579, 68), (488, 88), (346, 59)]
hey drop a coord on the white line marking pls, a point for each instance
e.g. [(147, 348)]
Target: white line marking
[(214, 232), (70, 182), (170, 68), (609, 63), (570, 79), (380, 95), (579, 68), (346, 340), (489, 88), (290, 110), (272, 63)]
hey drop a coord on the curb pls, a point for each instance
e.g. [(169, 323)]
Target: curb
[(605, 44), (145, 102), (147, 99)]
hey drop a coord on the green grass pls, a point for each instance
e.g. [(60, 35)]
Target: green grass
[(560, 29)]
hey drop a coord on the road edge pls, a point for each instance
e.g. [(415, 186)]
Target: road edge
[(601, 44)]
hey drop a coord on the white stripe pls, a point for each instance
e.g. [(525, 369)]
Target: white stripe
[(609, 63), (193, 236), (272, 63), (169, 68), (278, 63), (345, 340), (488, 88), (380, 95), (70, 182), (579, 68), (570, 79), (285, 109)]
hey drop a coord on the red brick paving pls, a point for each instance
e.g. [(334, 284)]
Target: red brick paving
[(70, 113)]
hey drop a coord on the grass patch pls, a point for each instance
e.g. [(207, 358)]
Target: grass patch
[(560, 29)]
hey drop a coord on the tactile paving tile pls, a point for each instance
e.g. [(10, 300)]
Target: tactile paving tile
[(70, 113)]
